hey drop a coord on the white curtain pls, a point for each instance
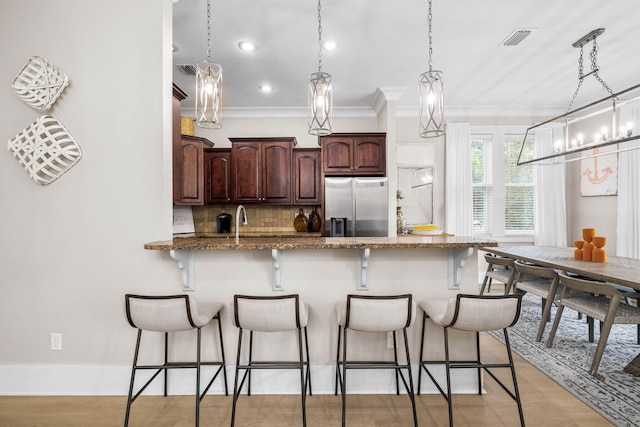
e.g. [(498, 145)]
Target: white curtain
[(458, 189), (628, 222), (549, 195)]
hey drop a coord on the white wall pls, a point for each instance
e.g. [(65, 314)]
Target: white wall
[(71, 250)]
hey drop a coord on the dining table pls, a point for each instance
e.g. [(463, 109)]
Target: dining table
[(617, 270)]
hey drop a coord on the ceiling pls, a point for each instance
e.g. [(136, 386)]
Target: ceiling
[(384, 44)]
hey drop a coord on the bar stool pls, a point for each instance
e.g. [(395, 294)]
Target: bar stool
[(500, 269), (540, 281), (271, 314), (375, 314), (172, 313), (476, 313)]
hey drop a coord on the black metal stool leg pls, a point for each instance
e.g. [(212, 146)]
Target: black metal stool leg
[(424, 321), (133, 377), (197, 376), (236, 389), (338, 377), (224, 362)]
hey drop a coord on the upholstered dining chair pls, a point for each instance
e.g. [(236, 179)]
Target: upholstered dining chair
[(169, 314), (540, 281), (475, 313), (264, 314), (372, 313), (600, 301), (500, 269)]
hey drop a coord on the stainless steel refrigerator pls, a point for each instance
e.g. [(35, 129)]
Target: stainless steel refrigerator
[(356, 207)]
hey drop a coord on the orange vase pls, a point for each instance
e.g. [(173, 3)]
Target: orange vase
[(579, 244), (598, 254), (588, 235)]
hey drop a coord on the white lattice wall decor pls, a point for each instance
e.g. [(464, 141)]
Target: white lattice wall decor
[(39, 83), (45, 149)]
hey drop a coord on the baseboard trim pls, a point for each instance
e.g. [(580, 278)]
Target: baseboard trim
[(90, 380)]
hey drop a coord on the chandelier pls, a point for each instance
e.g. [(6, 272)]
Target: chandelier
[(320, 93), (431, 96), (208, 86), (592, 126)]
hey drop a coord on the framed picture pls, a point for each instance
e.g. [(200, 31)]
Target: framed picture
[(599, 172)]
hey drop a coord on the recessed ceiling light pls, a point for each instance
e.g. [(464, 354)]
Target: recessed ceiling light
[(247, 46), (266, 88), (329, 45)]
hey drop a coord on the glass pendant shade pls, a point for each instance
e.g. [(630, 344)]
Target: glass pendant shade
[(320, 103), (208, 95), (431, 89)]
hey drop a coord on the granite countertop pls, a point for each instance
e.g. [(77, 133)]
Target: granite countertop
[(282, 242)]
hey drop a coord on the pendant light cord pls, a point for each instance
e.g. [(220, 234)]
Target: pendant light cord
[(319, 38), (208, 31), (429, 17)]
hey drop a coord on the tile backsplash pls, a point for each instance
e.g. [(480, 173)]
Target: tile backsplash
[(261, 218)]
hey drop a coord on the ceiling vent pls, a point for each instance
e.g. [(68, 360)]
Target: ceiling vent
[(188, 69), (517, 36)]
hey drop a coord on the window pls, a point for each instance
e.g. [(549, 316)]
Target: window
[(518, 181), (481, 183), (503, 196)]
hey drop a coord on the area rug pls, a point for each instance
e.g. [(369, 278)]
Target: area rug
[(613, 393)]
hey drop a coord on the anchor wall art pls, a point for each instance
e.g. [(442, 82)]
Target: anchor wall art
[(599, 172)]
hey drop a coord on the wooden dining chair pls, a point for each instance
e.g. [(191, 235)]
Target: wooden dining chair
[(599, 300), (500, 269), (540, 281)]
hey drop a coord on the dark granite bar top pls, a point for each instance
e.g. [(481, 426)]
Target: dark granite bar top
[(247, 242)]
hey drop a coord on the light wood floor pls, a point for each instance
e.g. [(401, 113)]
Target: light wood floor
[(545, 404)]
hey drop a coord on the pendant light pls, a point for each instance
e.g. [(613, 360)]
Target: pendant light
[(208, 86), (320, 93), (431, 91)]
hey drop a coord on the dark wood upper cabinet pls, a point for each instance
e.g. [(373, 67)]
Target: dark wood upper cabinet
[(354, 154), (188, 159), (306, 176), (262, 170), (218, 179)]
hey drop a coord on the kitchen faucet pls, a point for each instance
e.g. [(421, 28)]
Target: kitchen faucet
[(244, 219)]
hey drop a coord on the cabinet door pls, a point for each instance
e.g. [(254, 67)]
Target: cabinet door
[(369, 155), (337, 155), (306, 176), (276, 168), (247, 174), (218, 176), (190, 173)]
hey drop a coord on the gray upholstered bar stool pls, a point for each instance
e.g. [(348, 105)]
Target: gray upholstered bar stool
[(540, 281), (280, 313), (476, 313), (598, 300), (500, 269), (368, 313), (172, 313)]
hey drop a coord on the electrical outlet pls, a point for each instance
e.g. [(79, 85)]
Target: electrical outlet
[(389, 339), (56, 341)]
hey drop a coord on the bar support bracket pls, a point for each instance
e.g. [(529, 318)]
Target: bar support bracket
[(361, 269), (186, 263), (457, 260)]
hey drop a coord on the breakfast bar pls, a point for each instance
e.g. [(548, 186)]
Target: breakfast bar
[(181, 249), (323, 270)]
